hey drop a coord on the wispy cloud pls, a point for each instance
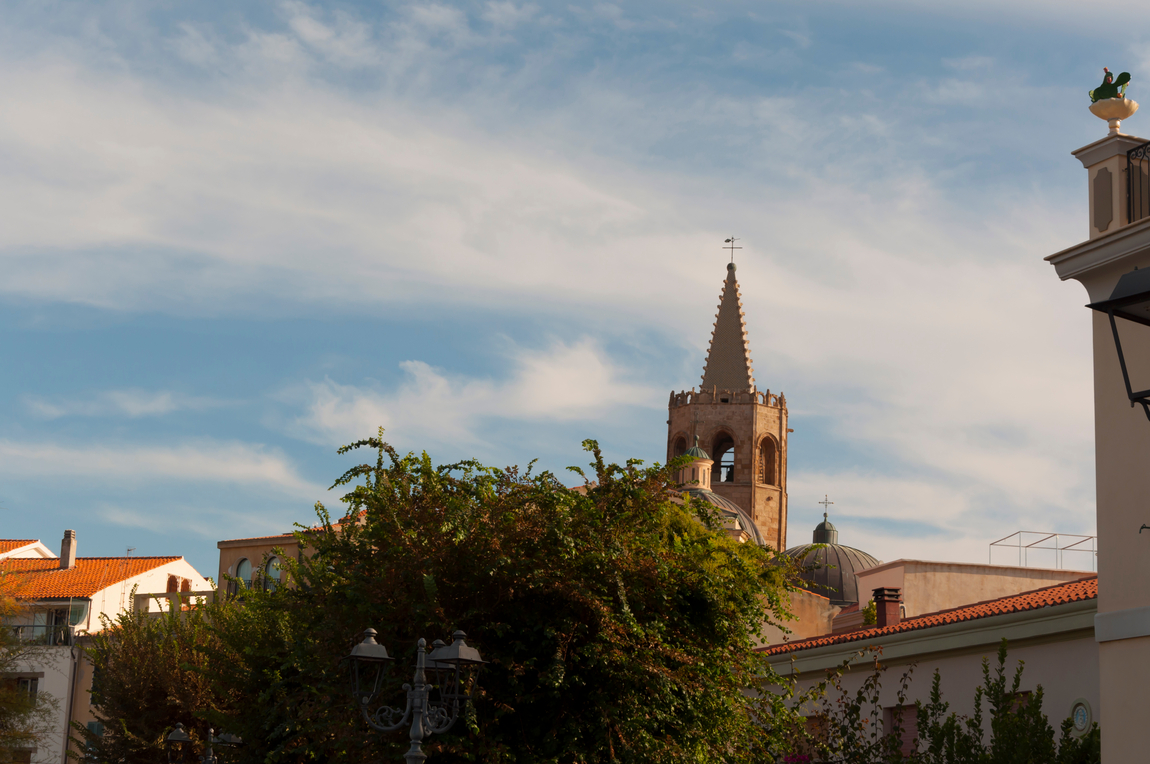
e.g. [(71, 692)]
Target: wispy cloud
[(424, 159), (131, 403), (212, 462), (210, 523), (561, 383)]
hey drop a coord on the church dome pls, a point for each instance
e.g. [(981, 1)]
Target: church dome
[(830, 570), (695, 452), (735, 518)]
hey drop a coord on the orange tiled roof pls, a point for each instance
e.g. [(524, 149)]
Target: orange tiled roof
[(43, 579), (1059, 594), (7, 545)]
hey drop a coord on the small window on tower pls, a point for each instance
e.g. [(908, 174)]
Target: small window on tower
[(769, 462), (680, 446), (723, 450)]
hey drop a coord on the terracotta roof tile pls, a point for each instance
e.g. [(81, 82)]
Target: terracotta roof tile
[(43, 579), (1059, 594), (7, 545)]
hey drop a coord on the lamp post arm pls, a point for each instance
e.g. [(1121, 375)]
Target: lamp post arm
[(1134, 398), (1121, 358), (388, 718), (439, 720)]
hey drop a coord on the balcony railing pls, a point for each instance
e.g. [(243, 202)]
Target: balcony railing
[(43, 635), (1138, 183)]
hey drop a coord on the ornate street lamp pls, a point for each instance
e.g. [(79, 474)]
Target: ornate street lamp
[(444, 683), (1131, 301), (179, 747)]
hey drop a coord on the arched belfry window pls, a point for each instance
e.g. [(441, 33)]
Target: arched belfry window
[(769, 461), (723, 452), (680, 446)]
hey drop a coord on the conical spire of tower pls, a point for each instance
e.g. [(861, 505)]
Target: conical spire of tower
[(729, 357)]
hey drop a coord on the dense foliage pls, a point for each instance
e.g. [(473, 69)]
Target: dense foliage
[(148, 676), (1019, 733), (618, 624), (25, 716)]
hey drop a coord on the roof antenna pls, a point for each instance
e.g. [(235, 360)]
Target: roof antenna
[(130, 550), (731, 246)]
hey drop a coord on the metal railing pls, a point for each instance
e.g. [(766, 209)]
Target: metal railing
[(156, 602), (1138, 183), (1053, 545), (43, 635)]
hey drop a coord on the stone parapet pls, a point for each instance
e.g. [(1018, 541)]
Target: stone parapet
[(717, 396)]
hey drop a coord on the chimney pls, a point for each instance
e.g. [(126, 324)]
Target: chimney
[(887, 606), (68, 551)]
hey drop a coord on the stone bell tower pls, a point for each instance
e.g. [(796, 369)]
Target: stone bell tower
[(743, 430)]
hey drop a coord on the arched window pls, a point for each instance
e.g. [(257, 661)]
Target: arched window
[(680, 446), (723, 452), (244, 571), (272, 573), (768, 461)]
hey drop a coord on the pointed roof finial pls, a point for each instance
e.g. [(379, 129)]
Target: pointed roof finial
[(729, 357), (731, 246)]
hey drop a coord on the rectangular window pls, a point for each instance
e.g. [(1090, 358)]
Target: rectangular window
[(28, 685), (905, 718), (819, 731), (97, 729)]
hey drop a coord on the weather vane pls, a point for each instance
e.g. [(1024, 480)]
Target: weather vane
[(731, 246), (826, 502)]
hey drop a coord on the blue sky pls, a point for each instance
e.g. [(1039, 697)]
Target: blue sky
[(237, 235)]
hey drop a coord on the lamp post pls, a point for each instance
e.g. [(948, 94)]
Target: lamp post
[(451, 669), (1130, 301), (179, 746)]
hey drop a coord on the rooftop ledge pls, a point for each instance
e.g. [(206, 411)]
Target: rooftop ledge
[(1110, 247)]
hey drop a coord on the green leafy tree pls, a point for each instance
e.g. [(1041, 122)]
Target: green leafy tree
[(25, 715), (149, 676), (619, 625)]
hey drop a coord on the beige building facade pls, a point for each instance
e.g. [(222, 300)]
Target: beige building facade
[(254, 559), (1050, 629), (1118, 242)]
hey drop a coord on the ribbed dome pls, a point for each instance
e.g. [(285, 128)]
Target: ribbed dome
[(733, 515), (695, 452), (830, 570)]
